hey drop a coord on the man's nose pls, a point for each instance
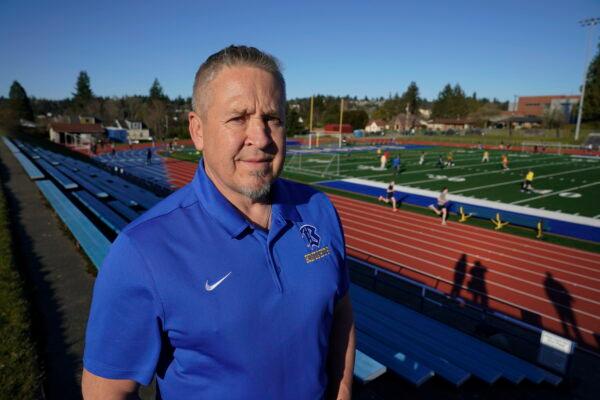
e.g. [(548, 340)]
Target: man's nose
[(259, 133)]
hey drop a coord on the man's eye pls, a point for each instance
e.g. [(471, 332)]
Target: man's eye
[(273, 121), (238, 119)]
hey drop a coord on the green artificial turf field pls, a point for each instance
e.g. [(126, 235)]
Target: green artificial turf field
[(562, 183)]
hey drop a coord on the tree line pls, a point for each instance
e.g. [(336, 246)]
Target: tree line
[(167, 117)]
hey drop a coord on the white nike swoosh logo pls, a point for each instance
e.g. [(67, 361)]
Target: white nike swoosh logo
[(210, 288)]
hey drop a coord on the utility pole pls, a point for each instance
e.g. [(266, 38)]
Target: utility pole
[(407, 110), (586, 23), (166, 126), (341, 120), (310, 118)]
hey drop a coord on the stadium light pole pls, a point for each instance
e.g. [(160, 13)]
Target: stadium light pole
[(585, 23)]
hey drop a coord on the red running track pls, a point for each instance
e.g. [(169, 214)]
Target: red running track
[(555, 287)]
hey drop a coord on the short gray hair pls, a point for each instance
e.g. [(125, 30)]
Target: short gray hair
[(229, 57)]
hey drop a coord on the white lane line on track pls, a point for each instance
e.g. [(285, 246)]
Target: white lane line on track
[(504, 301), (489, 283), (477, 250), (486, 236)]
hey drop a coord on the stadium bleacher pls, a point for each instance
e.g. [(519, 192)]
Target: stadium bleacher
[(92, 241), (389, 335), (102, 211), (388, 332), (31, 170)]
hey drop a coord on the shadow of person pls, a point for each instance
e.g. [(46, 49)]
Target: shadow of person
[(460, 273), (563, 303), (477, 284)]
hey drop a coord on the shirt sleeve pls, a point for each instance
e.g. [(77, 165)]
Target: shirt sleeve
[(343, 276), (123, 337)]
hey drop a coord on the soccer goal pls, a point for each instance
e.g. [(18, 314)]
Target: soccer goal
[(325, 140), (314, 164), (542, 147)]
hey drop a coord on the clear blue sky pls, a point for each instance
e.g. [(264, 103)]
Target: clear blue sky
[(496, 48)]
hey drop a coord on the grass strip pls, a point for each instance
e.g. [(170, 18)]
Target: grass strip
[(20, 373)]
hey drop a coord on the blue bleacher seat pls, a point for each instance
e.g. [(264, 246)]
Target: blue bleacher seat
[(93, 242), (101, 210), (63, 180), (477, 357), (123, 210), (369, 323), (83, 182), (395, 360), (13, 149), (366, 369), (31, 170)]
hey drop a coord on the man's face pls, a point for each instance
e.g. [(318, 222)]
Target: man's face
[(241, 131)]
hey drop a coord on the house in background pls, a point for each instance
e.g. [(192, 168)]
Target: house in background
[(87, 119), (538, 105), (76, 135), (444, 124), (136, 130), (376, 126)]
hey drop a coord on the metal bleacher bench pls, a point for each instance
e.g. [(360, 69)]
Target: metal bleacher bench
[(63, 180), (367, 369), (417, 347), (30, 169), (92, 241), (113, 220)]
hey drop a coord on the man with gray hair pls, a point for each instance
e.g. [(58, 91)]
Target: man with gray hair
[(235, 286)]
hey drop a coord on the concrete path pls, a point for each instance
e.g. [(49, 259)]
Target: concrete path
[(57, 278)]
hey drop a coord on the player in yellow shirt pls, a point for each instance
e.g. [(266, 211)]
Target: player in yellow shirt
[(450, 160), (526, 187)]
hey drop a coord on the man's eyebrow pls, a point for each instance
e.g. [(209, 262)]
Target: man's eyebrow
[(237, 111), (274, 112)]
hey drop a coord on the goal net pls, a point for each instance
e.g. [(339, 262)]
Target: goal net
[(542, 147), (314, 163)]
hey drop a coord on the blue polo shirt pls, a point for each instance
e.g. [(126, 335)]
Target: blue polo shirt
[(215, 307)]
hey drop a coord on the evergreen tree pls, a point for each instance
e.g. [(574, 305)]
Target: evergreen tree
[(19, 103), (293, 125), (156, 91), (357, 118), (441, 106), (83, 91), (451, 103), (591, 105), (411, 97)]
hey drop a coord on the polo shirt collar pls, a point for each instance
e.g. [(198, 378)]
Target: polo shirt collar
[(227, 215)]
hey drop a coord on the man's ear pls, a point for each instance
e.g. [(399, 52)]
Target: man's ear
[(196, 130)]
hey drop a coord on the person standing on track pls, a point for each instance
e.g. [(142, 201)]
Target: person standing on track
[(236, 285), (148, 156), (389, 196), (441, 206)]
